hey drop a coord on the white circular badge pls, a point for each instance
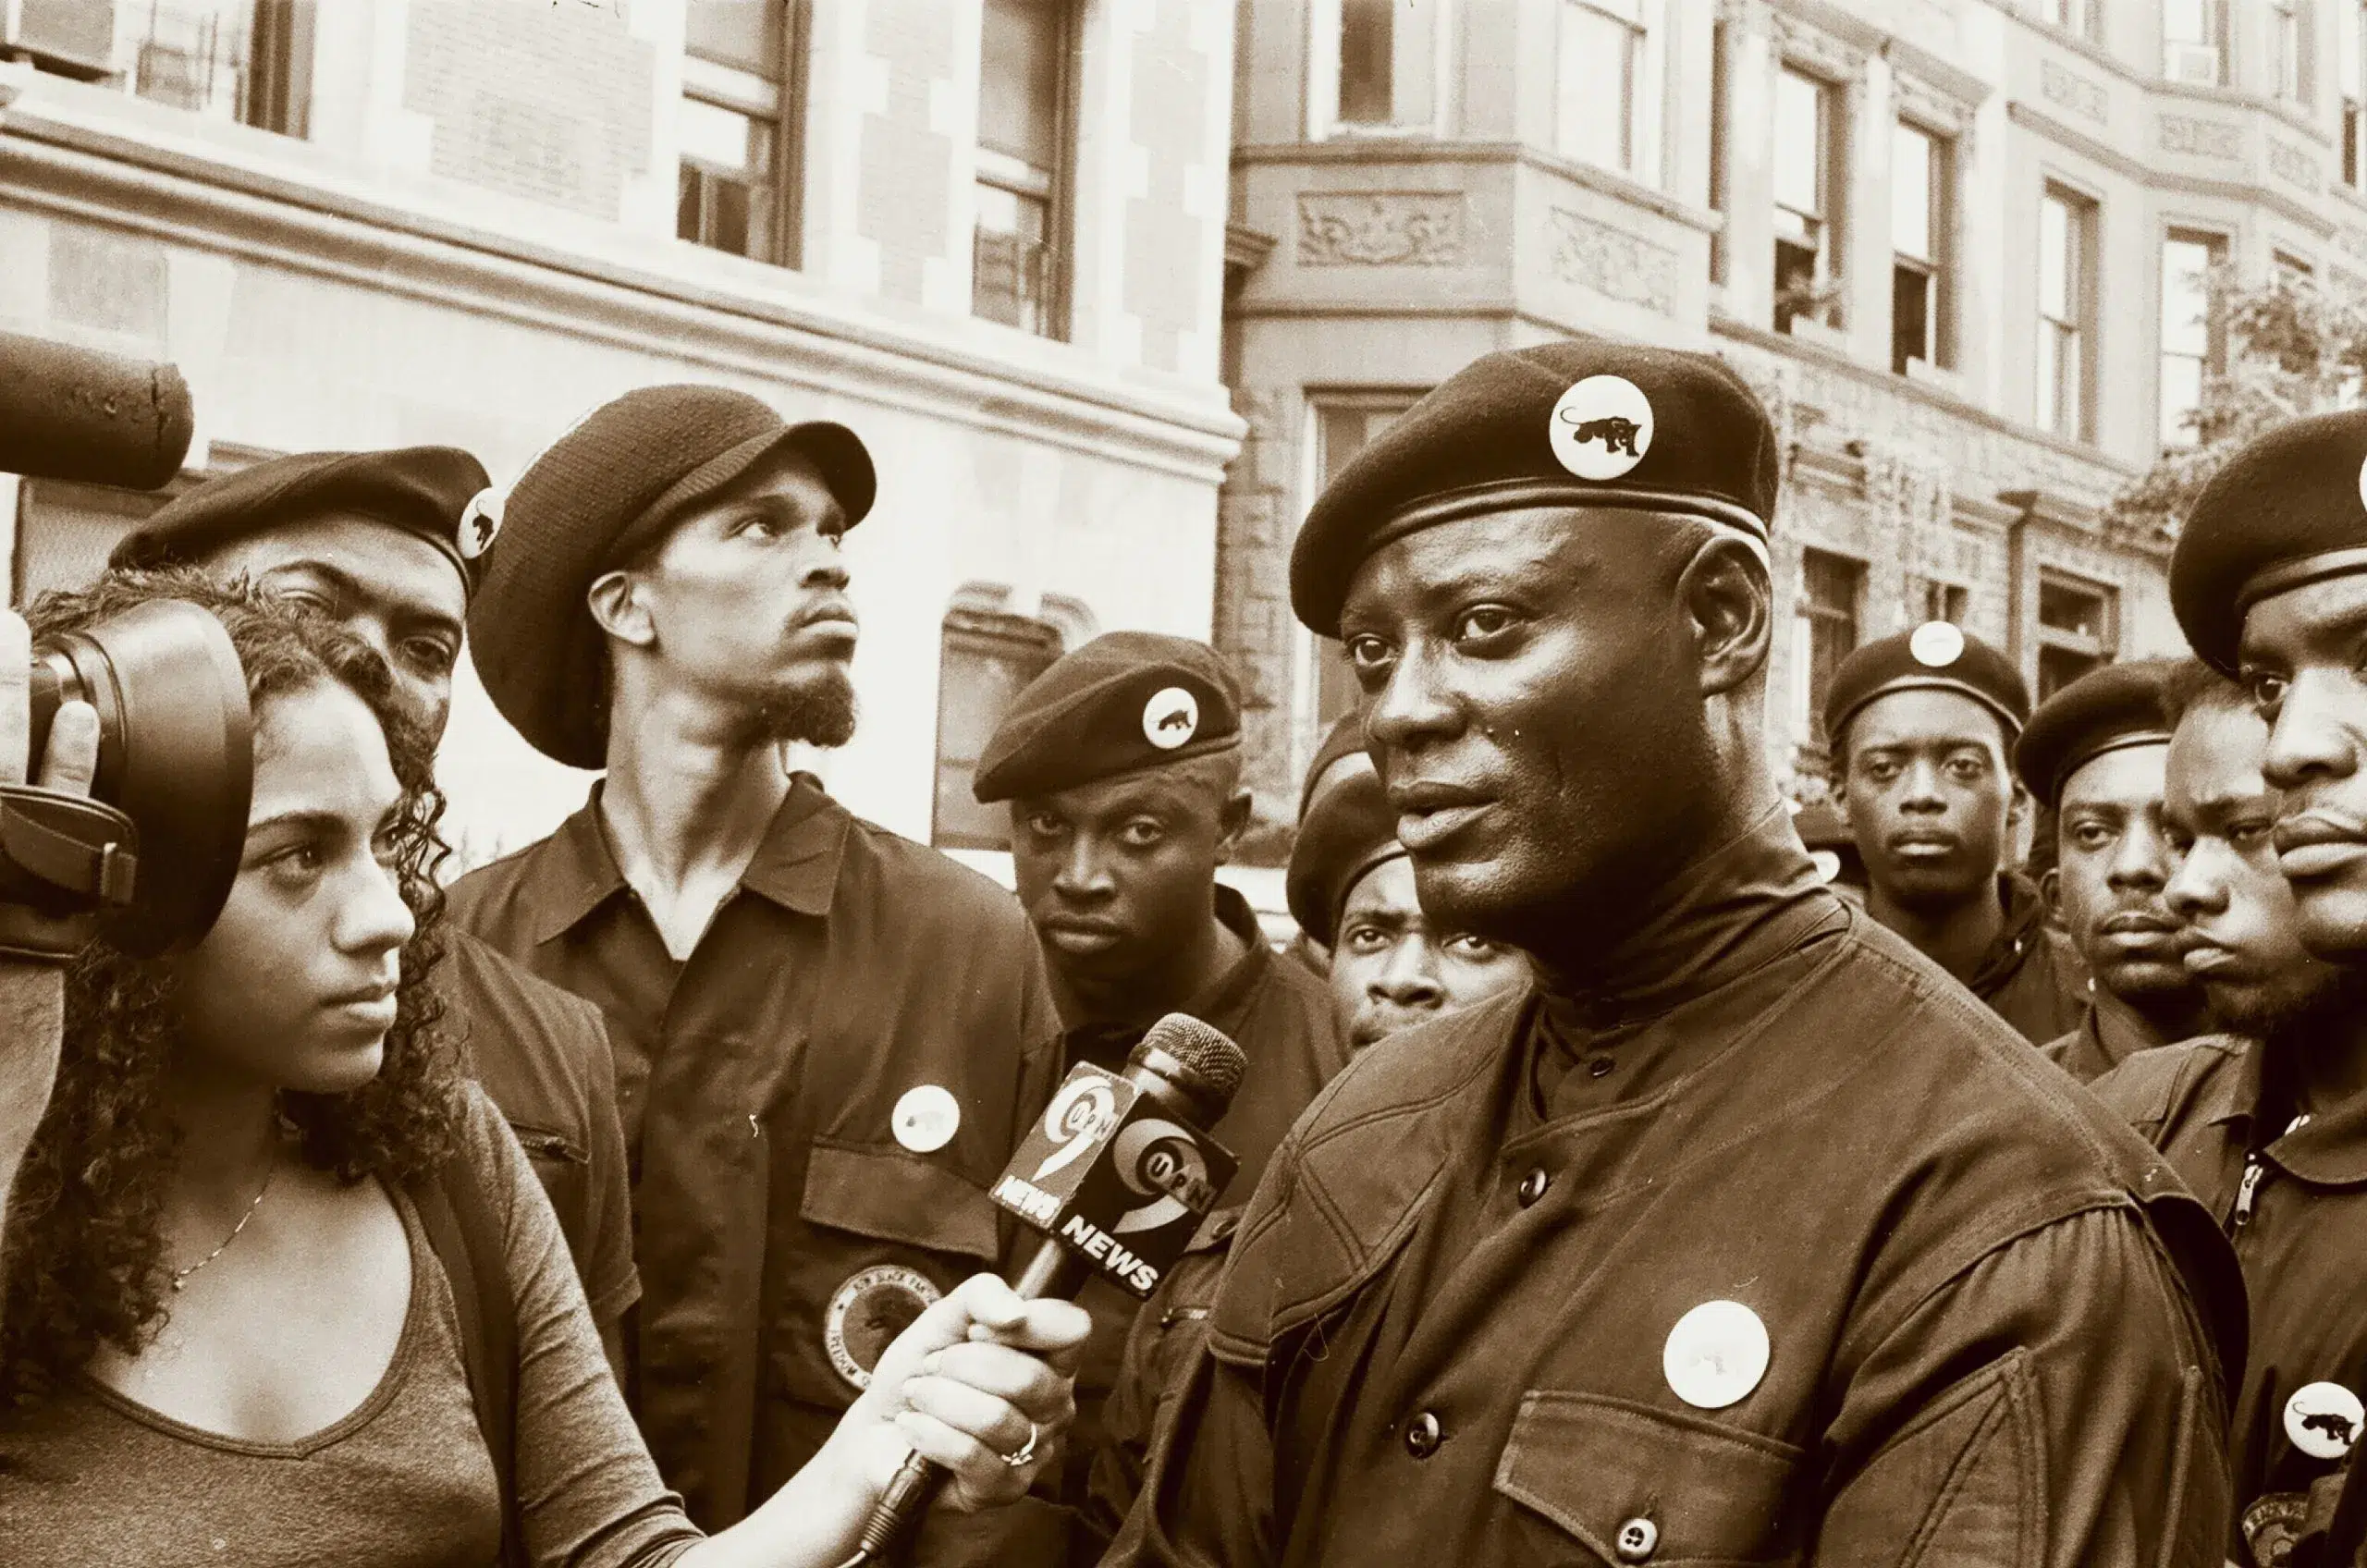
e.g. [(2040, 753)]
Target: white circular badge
[(1602, 427), (2363, 482), (926, 1117), (2323, 1419), (1170, 718), (1716, 1354), (1936, 643), (868, 1312), (480, 521)]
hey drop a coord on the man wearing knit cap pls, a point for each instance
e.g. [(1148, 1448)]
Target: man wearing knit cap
[(1122, 766), (387, 544), (1736, 1237), (2269, 581), (2095, 758), (828, 1037), (1922, 727)]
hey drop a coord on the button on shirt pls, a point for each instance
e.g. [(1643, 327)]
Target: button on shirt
[(1978, 1337), (758, 1081), (2299, 1233)]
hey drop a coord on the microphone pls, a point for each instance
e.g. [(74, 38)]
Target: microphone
[(1118, 1173)]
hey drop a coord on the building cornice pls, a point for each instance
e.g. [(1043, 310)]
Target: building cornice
[(290, 217), (2120, 163), (1410, 150)]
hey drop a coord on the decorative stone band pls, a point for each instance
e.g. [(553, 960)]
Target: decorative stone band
[(2300, 572)]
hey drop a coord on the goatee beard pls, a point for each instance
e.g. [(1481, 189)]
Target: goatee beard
[(818, 712)]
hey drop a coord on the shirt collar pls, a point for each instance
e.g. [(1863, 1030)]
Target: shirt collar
[(795, 865)]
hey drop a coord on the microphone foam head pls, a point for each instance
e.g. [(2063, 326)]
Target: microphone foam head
[(1213, 1059)]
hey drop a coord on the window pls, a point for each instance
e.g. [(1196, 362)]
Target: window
[(1805, 182), (2065, 295), (987, 658), (2193, 41), (1919, 169), (2191, 343), (2289, 51), (731, 195), (2347, 74), (2292, 272), (1721, 62), (1603, 80), (1017, 273), (244, 60), (1344, 423), (1385, 54), (2078, 16), (2077, 630), (1947, 601), (1825, 629)]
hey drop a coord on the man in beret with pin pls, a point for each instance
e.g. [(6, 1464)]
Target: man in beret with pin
[(1922, 725), (827, 1038), (2269, 583), (2094, 757), (1738, 1235), (390, 543), (1121, 767)]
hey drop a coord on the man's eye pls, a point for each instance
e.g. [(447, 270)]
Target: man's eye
[(1881, 768), (1477, 625), (2091, 836), (1367, 652), (761, 526), (1043, 824), (431, 654), (2267, 692), (1142, 835), (2243, 835), (1472, 946), (310, 598), (1364, 938), (1967, 770)]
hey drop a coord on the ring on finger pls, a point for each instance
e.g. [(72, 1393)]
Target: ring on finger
[(1027, 1451)]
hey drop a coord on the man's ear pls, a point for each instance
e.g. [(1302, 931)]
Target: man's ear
[(1725, 591), (617, 611), (1232, 822), (2050, 887)]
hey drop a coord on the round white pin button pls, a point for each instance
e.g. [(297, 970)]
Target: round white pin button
[(1936, 644), (925, 1119), (1716, 1354), (2362, 483), (2323, 1419), (1600, 427), (1170, 718)]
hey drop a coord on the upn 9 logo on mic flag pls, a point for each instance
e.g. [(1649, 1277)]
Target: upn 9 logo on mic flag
[(1115, 1176)]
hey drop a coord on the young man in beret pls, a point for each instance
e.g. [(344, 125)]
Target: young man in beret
[(1121, 765), (2093, 758), (1738, 1235), (2288, 1183), (828, 1037), (1341, 752), (2269, 581), (386, 543), (1922, 725)]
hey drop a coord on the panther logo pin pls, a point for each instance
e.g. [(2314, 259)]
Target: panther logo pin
[(1602, 427)]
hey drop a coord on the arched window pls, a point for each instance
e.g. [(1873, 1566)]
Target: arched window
[(987, 655)]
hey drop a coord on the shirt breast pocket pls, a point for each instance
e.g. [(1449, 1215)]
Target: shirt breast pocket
[(885, 1233), (1610, 1480)]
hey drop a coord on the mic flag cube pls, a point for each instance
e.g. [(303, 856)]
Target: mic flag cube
[(1116, 1177)]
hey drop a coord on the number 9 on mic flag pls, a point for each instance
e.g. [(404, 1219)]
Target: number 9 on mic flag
[(1119, 1179)]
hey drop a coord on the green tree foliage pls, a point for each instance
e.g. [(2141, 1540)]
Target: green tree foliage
[(2291, 349)]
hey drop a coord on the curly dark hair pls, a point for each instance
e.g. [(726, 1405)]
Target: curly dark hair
[(82, 1258)]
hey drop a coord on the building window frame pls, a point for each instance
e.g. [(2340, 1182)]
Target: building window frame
[(773, 106), (1810, 240), (2067, 649), (978, 628), (2207, 360), (2081, 18), (1931, 273), (2065, 353), (1039, 303), (1828, 624), (248, 62), (2195, 54), (2350, 65), (1421, 35), (1644, 69)]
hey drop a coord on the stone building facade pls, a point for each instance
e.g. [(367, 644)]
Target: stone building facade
[(1957, 245), (988, 234)]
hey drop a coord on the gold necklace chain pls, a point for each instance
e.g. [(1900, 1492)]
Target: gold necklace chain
[(180, 1276)]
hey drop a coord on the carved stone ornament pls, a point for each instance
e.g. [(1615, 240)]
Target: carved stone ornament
[(2201, 138), (1614, 262), (2072, 90), (1818, 50), (1366, 228), (2292, 165)]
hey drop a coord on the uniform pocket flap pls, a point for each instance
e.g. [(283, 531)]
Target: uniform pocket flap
[(1634, 1483), (891, 1196)]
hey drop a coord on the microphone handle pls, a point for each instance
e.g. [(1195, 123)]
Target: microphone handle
[(1053, 1271)]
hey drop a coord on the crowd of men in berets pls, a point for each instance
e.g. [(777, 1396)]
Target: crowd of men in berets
[(1628, 1172)]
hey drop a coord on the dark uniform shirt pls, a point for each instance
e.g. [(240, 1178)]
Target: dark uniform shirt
[(2300, 1234), (542, 1058), (2032, 976), (1283, 1018), (2110, 1033), (785, 1220), (1466, 1301)]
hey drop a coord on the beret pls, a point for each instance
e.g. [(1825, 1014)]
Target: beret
[(607, 488), (1125, 702), (1936, 655), (1346, 738), (2288, 508), (1584, 422), (1347, 830), (422, 490), (2117, 705)]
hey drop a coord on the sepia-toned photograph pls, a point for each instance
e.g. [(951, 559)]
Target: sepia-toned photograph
[(1183, 783)]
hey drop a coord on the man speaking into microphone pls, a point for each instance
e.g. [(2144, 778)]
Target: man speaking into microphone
[(1742, 1234)]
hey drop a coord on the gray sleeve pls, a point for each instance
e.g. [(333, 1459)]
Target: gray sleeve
[(588, 1494)]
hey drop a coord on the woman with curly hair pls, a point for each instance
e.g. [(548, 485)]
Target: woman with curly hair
[(224, 1333)]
